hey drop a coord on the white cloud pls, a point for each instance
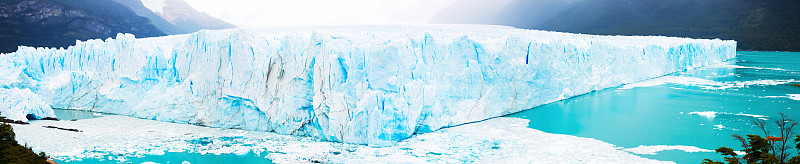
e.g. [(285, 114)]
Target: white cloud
[(258, 13)]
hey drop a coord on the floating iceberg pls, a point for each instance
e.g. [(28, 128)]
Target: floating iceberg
[(372, 85)]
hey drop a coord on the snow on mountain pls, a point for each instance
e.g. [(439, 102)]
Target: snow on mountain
[(372, 85), (175, 16), (156, 6)]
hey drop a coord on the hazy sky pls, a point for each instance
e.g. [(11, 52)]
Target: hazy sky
[(259, 13)]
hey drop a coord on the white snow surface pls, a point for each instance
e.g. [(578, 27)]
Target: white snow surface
[(490, 141), (372, 85)]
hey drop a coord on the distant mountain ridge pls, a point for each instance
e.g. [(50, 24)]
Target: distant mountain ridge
[(772, 25), (756, 25), (176, 16), (160, 23), (516, 13), (58, 23)]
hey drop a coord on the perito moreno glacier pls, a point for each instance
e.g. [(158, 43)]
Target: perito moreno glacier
[(373, 85)]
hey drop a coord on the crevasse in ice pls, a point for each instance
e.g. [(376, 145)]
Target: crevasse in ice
[(372, 85)]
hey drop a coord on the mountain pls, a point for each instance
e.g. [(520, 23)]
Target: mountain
[(756, 25), (165, 26), (470, 12), (175, 16), (516, 13), (58, 23), (180, 13)]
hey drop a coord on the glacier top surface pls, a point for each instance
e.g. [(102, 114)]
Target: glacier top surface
[(487, 31)]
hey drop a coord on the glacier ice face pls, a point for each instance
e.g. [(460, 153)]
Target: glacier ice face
[(18, 104), (372, 85)]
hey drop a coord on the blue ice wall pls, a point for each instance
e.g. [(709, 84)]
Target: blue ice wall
[(372, 85)]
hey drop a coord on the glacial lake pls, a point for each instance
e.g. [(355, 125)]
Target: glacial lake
[(182, 158), (685, 110), (165, 158), (700, 108)]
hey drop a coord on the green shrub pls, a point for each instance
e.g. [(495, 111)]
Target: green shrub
[(13, 153), (765, 150)]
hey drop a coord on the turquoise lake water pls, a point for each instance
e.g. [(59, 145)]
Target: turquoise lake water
[(648, 115), (179, 158), (67, 114), (659, 115), (167, 157)]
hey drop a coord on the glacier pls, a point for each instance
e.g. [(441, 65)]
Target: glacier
[(373, 85)]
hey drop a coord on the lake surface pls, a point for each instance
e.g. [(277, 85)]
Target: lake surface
[(68, 114), (166, 157), (701, 107), (182, 158)]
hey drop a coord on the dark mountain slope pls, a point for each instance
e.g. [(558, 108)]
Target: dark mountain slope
[(757, 25), (767, 25), (530, 13), (58, 23)]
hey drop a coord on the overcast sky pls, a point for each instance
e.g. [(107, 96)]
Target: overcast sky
[(260, 13)]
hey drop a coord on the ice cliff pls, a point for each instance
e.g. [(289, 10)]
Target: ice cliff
[(372, 85)]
